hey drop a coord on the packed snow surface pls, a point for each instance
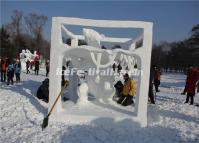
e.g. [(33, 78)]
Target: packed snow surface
[(169, 121)]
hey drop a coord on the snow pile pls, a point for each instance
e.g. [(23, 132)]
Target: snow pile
[(169, 120)]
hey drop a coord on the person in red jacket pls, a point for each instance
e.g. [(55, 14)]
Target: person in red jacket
[(3, 70), (190, 87)]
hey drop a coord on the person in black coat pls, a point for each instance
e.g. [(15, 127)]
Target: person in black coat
[(150, 93), (43, 91), (47, 68), (36, 67), (119, 68), (27, 67), (118, 88)]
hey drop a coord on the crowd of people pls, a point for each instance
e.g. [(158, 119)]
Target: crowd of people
[(36, 64), (29, 65), (125, 91), (9, 69)]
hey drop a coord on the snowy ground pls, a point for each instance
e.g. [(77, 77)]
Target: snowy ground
[(169, 121)]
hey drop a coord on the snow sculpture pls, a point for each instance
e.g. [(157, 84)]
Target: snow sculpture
[(92, 37), (93, 56), (83, 94), (27, 55)]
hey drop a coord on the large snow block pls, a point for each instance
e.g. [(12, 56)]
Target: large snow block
[(89, 56)]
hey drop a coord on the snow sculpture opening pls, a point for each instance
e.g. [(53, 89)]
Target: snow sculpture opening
[(93, 56)]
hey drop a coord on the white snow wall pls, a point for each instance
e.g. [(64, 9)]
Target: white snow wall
[(59, 49)]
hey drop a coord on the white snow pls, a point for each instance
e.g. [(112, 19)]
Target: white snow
[(169, 120), (83, 94)]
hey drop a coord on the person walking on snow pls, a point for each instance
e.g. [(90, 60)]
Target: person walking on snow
[(128, 91), (190, 87), (17, 69)]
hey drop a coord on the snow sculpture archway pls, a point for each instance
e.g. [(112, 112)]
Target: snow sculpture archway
[(99, 58)]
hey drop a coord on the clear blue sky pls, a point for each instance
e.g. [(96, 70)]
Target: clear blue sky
[(172, 20)]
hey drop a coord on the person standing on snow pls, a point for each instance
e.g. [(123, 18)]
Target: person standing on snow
[(150, 93), (27, 66), (128, 91), (156, 79), (17, 69), (3, 70), (114, 67), (190, 87), (36, 66), (10, 72), (119, 68)]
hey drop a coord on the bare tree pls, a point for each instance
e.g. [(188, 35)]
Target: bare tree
[(16, 23), (35, 24), (15, 29)]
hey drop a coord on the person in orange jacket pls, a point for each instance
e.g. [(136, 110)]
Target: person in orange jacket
[(128, 91)]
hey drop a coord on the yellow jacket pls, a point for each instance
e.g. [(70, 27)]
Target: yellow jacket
[(129, 88)]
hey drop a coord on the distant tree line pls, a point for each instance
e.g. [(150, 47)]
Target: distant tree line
[(24, 32), (177, 55)]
